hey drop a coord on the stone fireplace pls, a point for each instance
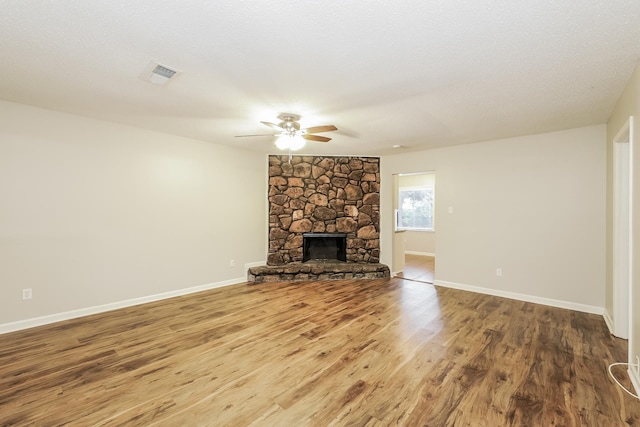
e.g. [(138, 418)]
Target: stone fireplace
[(323, 197), (314, 194)]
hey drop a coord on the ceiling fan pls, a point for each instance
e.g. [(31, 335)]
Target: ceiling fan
[(290, 135)]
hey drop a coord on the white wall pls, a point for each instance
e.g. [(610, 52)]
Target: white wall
[(95, 213), (533, 206), (627, 105)]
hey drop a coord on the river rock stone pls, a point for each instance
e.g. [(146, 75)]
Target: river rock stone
[(353, 192), (319, 199), (364, 219), (323, 213), (368, 232), (371, 199), (294, 192), (301, 226), (346, 225), (302, 170), (351, 210)]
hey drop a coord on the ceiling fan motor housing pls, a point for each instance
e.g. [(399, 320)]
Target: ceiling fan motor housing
[(289, 122)]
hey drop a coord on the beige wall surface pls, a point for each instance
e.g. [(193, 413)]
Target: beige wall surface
[(628, 105), (95, 213), (533, 206), (420, 242), (427, 179)]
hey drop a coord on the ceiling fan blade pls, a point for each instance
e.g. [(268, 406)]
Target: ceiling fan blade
[(271, 125), (317, 138), (262, 134), (320, 129)]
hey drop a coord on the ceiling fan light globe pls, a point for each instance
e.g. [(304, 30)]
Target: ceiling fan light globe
[(282, 142), (290, 142), (297, 142)]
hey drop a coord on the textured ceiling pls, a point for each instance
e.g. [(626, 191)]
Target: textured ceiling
[(417, 73)]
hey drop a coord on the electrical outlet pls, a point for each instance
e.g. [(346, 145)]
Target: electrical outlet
[(499, 272), (27, 294), (637, 366), (232, 263)]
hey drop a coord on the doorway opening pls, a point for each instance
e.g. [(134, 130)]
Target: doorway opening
[(622, 231), (414, 246)]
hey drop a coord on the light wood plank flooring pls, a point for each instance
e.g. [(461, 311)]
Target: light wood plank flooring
[(341, 353), (420, 268)]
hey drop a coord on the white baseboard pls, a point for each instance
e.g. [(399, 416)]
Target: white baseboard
[(608, 320), (523, 297), (67, 315), (635, 380), (419, 253), (395, 273)]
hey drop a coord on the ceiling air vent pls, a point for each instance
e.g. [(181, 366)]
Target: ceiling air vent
[(157, 73)]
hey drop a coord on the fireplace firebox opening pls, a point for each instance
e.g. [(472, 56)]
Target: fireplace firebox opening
[(324, 247)]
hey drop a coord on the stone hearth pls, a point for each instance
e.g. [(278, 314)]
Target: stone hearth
[(310, 271)]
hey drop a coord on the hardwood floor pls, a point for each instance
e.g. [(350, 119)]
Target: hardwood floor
[(420, 268), (357, 353)]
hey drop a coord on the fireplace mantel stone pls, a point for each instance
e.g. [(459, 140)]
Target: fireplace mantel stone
[(312, 271)]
